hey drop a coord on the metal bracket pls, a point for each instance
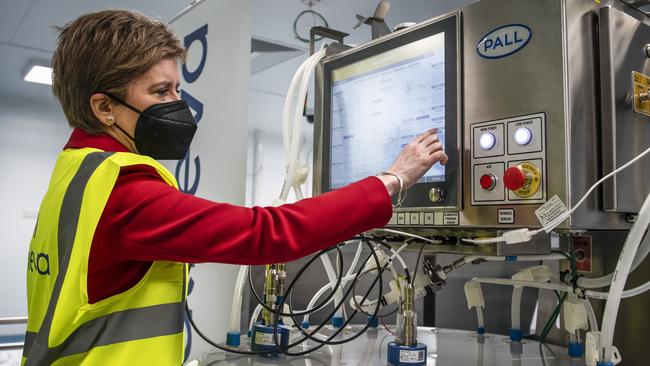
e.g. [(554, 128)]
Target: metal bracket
[(326, 33)]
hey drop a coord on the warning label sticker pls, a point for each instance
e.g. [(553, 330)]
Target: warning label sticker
[(550, 212)]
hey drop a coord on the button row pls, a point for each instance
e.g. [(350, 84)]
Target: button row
[(425, 219), (523, 136)]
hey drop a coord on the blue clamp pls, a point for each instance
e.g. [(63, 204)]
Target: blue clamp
[(337, 321), (233, 339), (576, 350), (373, 322), (305, 325), (480, 330), (516, 335)]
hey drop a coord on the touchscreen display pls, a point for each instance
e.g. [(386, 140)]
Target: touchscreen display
[(381, 103)]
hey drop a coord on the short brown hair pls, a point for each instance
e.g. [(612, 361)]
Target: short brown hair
[(106, 51)]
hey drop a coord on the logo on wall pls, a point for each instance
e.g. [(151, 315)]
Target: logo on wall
[(504, 41), (188, 183)]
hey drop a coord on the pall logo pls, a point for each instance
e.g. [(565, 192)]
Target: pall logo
[(504, 41)]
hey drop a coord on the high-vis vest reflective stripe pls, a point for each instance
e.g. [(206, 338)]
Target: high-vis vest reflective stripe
[(140, 326)]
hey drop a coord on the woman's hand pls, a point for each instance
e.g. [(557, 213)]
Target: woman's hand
[(415, 159)]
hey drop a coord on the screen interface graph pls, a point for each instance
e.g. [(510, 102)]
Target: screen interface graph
[(381, 103)]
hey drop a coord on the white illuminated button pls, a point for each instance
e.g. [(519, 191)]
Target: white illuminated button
[(487, 140), (523, 136)]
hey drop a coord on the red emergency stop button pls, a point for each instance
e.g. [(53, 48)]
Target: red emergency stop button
[(514, 178), (488, 182)]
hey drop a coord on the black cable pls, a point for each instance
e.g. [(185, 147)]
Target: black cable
[(289, 291), (236, 351), (329, 340), (213, 343), (417, 263), (295, 25), (358, 306), (305, 266), (320, 326)]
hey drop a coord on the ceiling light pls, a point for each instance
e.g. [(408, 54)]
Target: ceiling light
[(39, 74)]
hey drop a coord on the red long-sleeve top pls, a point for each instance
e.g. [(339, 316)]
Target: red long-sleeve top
[(147, 220)]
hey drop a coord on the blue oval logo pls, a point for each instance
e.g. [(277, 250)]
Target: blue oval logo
[(504, 41)]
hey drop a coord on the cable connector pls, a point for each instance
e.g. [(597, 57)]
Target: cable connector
[(509, 237), (575, 314), (517, 236), (595, 355), (474, 295), (372, 265)]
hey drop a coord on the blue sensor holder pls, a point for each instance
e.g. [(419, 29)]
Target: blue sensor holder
[(576, 350), (262, 339), (337, 321), (400, 355), (373, 322), (233, 339), (516, 335)]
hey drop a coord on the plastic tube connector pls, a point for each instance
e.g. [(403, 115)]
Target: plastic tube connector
[(576, 350), (337, 321), (373, 322), (474, 295), (233, 339), (516, 335)]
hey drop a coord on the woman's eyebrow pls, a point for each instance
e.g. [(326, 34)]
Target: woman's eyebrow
[(166, 83)]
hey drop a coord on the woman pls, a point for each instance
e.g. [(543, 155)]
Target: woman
[(113, 228)]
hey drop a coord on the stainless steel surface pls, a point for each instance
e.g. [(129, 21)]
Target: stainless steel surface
[(556, 75), (623, 41), (13, 320), (445, 348)]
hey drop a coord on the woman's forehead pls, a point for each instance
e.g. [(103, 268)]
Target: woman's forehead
[(165, 70)]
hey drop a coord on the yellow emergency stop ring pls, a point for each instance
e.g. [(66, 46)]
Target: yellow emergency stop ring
[(533, 180)]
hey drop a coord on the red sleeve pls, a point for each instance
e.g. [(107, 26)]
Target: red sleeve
[(145, 220)]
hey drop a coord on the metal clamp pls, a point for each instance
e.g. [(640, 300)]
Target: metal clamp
[(326, 33)]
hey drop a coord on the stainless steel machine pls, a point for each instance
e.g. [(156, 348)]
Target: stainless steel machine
[(535, 102), (534, 99)]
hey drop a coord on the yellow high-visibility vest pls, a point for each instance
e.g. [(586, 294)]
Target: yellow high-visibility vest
[(140, 326)]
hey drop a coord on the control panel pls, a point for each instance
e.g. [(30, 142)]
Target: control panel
[(508, 161)]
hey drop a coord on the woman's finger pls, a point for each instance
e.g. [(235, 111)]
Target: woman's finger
[(425, 134)]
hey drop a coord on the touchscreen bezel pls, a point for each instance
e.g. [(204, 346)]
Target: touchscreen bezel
[(418, 194)]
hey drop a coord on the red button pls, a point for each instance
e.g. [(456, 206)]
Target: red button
[(488, 181), (514, 178)]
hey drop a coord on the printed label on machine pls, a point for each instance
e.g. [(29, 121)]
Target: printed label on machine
[(411, 356), (506, 216), (550, 211), (450, 218), (264, 339)]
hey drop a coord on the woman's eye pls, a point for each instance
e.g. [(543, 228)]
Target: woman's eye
[(163, 92)]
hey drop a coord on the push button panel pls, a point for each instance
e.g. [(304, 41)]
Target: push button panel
[(488, 140), (508, 161)]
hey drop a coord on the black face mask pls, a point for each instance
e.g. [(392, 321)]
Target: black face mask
[(163, 131)]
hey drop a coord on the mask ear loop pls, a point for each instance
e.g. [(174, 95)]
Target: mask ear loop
[(126, 105)]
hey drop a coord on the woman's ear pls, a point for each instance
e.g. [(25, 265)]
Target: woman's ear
[(103, 108)]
